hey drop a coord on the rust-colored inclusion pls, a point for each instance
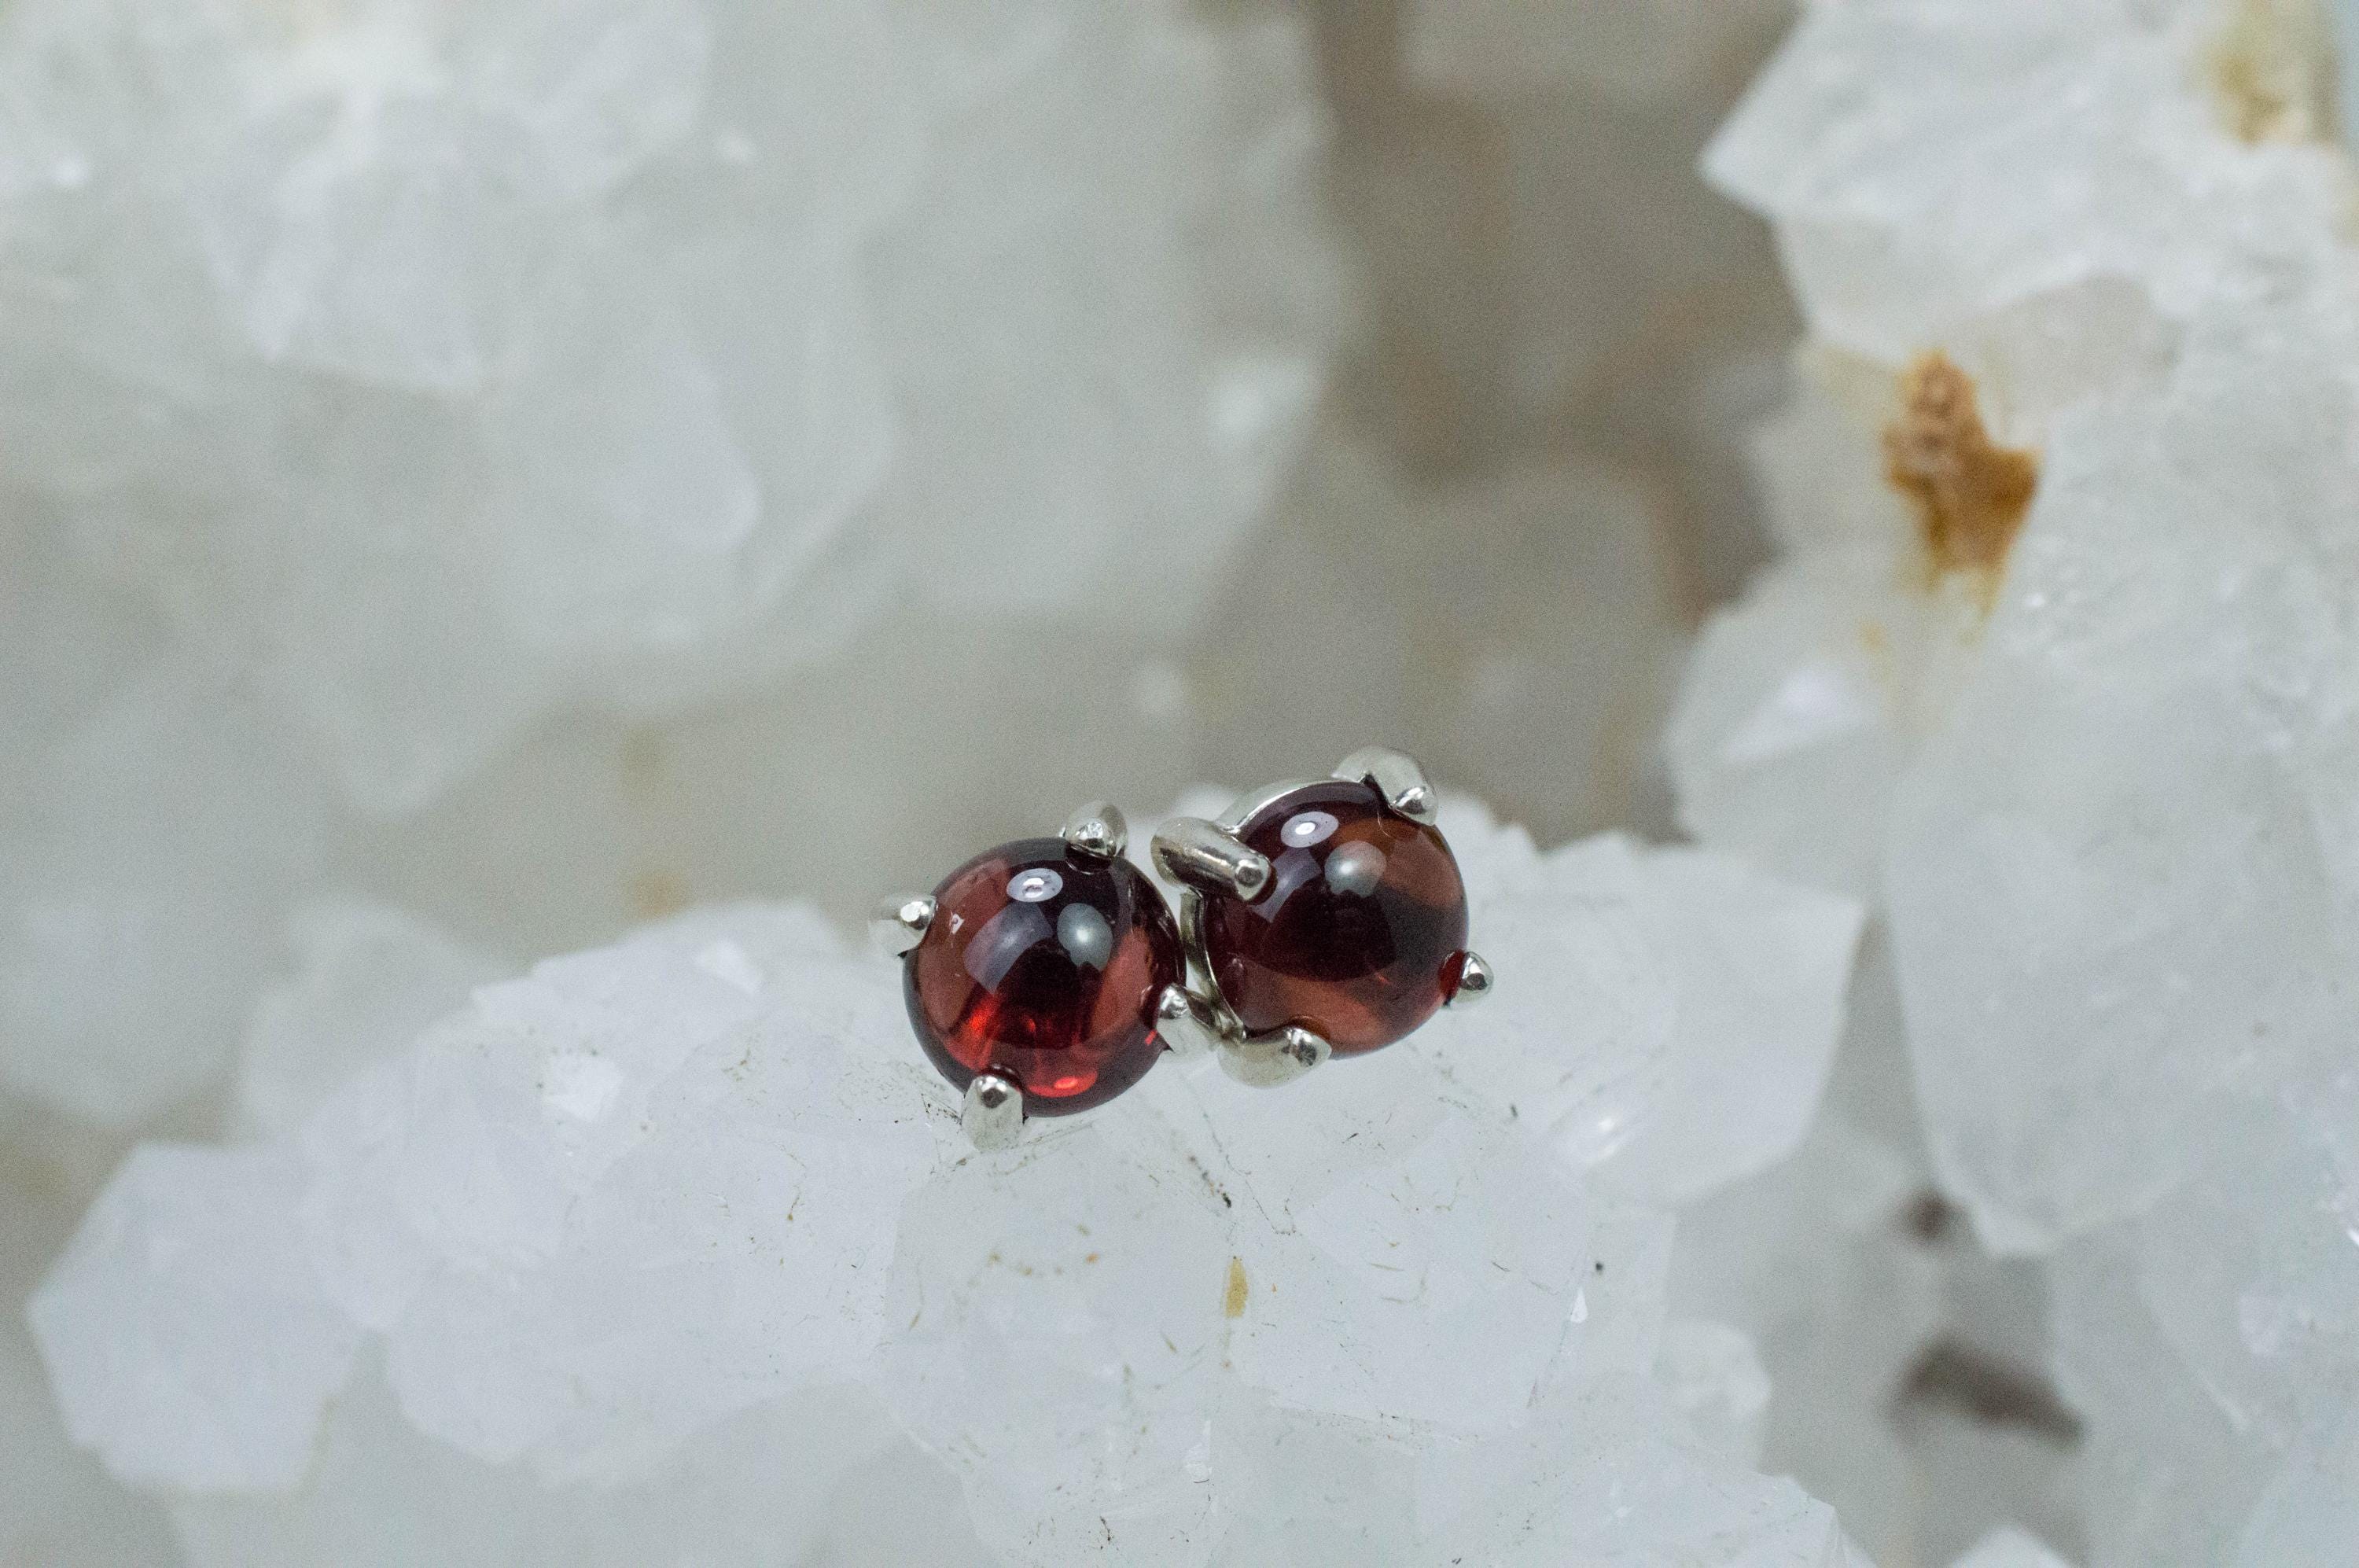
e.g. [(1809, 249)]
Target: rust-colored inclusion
[(1969, 494)]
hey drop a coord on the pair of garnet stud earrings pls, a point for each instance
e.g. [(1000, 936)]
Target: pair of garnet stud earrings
[(1045, 976)]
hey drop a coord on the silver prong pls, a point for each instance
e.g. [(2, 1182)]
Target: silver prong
[(1199, 853), (1184, 1023), (993, 1117), (1248, 806), (1398, 779), (1265, 1060), (899, 924), (1097, 829), (1475, 981)]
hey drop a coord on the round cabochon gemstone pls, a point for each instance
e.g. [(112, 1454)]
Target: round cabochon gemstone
[(1044, 964), (1360, 934)]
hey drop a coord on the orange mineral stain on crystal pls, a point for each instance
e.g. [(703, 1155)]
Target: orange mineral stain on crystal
[(1234, 1305), (1969, 494)]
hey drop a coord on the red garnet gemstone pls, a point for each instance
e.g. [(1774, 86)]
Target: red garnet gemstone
[(1044, 964), (1361, 933)]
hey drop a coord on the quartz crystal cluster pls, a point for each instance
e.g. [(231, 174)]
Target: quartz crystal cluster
[(442, 439), (2055, 669), (380, 379), (675, 1248)]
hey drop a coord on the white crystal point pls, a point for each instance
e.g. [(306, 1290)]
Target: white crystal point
[(1889, 232), (186, 1335), (1714, 1376), (691, 1141), (1680, 1013), (2182, 1478), (2248, 1270), (372, 978), (60, 1494), (2077, 928), (1783, 745), (2008, 1547)]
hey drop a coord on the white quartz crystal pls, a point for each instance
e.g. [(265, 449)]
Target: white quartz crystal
[(2065, 684), (1716, 1378), (388, 382), (58, 1505), (372, 978), (2078, 928), (1935, 163), (1706, 1000), (2006, 1548), (695, 1142), (565, 1279), (484, 479), (2180, 584), (1059, 1319), (187, 1341), (583, 336)]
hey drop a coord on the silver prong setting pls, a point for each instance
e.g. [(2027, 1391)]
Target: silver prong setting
[(1267, 1060), (994, 1114), (1185, 1023), (1474, 982), (1198, 853), (899, 924), (1398, 779), (1097, 829)]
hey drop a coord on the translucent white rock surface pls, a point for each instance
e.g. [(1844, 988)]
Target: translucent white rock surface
[(1935, 164), (1715, 1376), (387, 380), (691, 1207), (58, 1504), (372, 978), (2007, 1548), (1730, 988), (407, 240), (1924, 699), (188, 1342), (768, 1486), (2056, 665)]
